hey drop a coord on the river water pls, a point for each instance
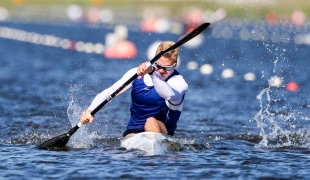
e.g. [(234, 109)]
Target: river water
[(236, 128)]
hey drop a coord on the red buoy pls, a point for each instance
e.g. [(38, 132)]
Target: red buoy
[(292, 86)]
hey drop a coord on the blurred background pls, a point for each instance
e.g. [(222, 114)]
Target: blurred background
[(173, 16), (146, 12), (103, 11)]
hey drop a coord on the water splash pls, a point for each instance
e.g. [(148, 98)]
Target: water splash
[(276, 128), (81, 139)]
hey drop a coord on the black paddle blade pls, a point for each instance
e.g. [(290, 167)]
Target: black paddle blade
[(55, 143), (58, 141)]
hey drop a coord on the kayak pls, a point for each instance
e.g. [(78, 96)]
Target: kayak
[(151, 143)]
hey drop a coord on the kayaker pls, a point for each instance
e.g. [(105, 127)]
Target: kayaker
[(157, 95)]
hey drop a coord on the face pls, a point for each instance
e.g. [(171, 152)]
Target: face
[(164, 66)]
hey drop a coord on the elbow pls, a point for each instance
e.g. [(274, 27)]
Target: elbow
[(173, 97)]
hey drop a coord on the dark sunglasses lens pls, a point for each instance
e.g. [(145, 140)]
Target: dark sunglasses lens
[(160, 67), (168, 68)]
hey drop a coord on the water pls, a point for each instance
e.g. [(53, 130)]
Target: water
[(239, 129)]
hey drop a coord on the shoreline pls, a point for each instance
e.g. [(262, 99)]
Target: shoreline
[(235, 9)]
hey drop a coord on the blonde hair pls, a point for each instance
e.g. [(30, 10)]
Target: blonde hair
[(173, 54)]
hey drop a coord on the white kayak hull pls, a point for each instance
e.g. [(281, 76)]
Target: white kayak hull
[(151, 143)]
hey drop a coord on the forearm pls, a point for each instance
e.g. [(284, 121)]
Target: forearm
[(99, 99)]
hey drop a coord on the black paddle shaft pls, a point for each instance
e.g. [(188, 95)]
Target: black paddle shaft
[(61, 141)]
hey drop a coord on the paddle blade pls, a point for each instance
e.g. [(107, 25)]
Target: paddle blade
[(55, 143), (58, 141)]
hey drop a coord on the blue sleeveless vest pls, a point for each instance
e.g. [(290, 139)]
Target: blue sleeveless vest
[(147, 103)]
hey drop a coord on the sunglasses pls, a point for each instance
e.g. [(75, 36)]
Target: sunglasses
[(165, 68)]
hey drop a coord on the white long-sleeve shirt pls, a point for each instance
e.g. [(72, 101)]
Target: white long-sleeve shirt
[(173, 90)]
